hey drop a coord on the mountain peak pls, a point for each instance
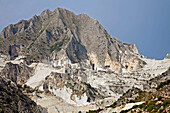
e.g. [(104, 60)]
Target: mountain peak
[(72, 57), (80, 36)]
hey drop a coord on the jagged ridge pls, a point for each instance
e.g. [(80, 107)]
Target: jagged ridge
[(80, 36)]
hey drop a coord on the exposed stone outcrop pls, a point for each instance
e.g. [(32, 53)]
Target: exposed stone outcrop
[(12, 100), (17, 73), (72, 90), (132, 48), (167, 56), (76, 61), (81, 37), (15, 51)]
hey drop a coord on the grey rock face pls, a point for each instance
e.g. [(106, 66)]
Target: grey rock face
[(13, 100), (15, 51), (56, 81), (75, 51), (82, 38), (17, 73), (86, 60)]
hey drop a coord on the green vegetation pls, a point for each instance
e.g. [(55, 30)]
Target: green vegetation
[(8, 100), (33, 40), (28, 38), (162, 84), (47, 91), (154, 102), (155, 106), (19, 86), (56, 46), (11, 97), (9, 82), (1, 88), (114, 105), (29, 90), (143, 95), (94, 111)]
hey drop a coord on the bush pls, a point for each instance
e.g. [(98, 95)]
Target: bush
[(25, 86), (47, 91), (114, 105), (162, 84), (94, 111), (9, 82), (131, 101), (124, 111), (166, 103), (161, 110), (19, 86), (16, 111), (1, 88), (159, 98), (8, 100), (56, 46), (29, 90), (150, 108)]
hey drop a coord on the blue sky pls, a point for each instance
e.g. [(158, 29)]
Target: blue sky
[(145, 23)]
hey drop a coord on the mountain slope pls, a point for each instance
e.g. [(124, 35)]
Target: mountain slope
[(79, 36), (12, 100), (73, 64)]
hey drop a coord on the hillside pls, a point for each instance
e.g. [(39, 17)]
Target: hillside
[(69, 63), (12, 100), (80, 37)]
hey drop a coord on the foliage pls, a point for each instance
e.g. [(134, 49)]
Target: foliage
[(94, 111), (163, 84), (19, 86), (29, 90), (151, 106), (56, 46), (33, 40), (9, 82), (47, 91), (1, 88)]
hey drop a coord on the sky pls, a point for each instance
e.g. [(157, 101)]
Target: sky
[(145, 23)]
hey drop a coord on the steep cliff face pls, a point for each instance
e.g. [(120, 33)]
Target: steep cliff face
[(71, 89), (12, 100), (17, 73), (75, 60), (80, 36)]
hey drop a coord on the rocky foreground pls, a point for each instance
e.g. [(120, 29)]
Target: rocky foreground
[(62, 62)]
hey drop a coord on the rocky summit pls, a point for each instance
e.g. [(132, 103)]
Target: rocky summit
[(78, 38), (69, 63)]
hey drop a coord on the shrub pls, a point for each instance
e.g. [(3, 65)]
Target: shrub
[(131, 101), (162, 84), (159, 98), (19, 86), (114, 105), (8, 100), (56, 46), (9, 82), (150, 108), (1, 88), (47, 91), (29, 90)]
